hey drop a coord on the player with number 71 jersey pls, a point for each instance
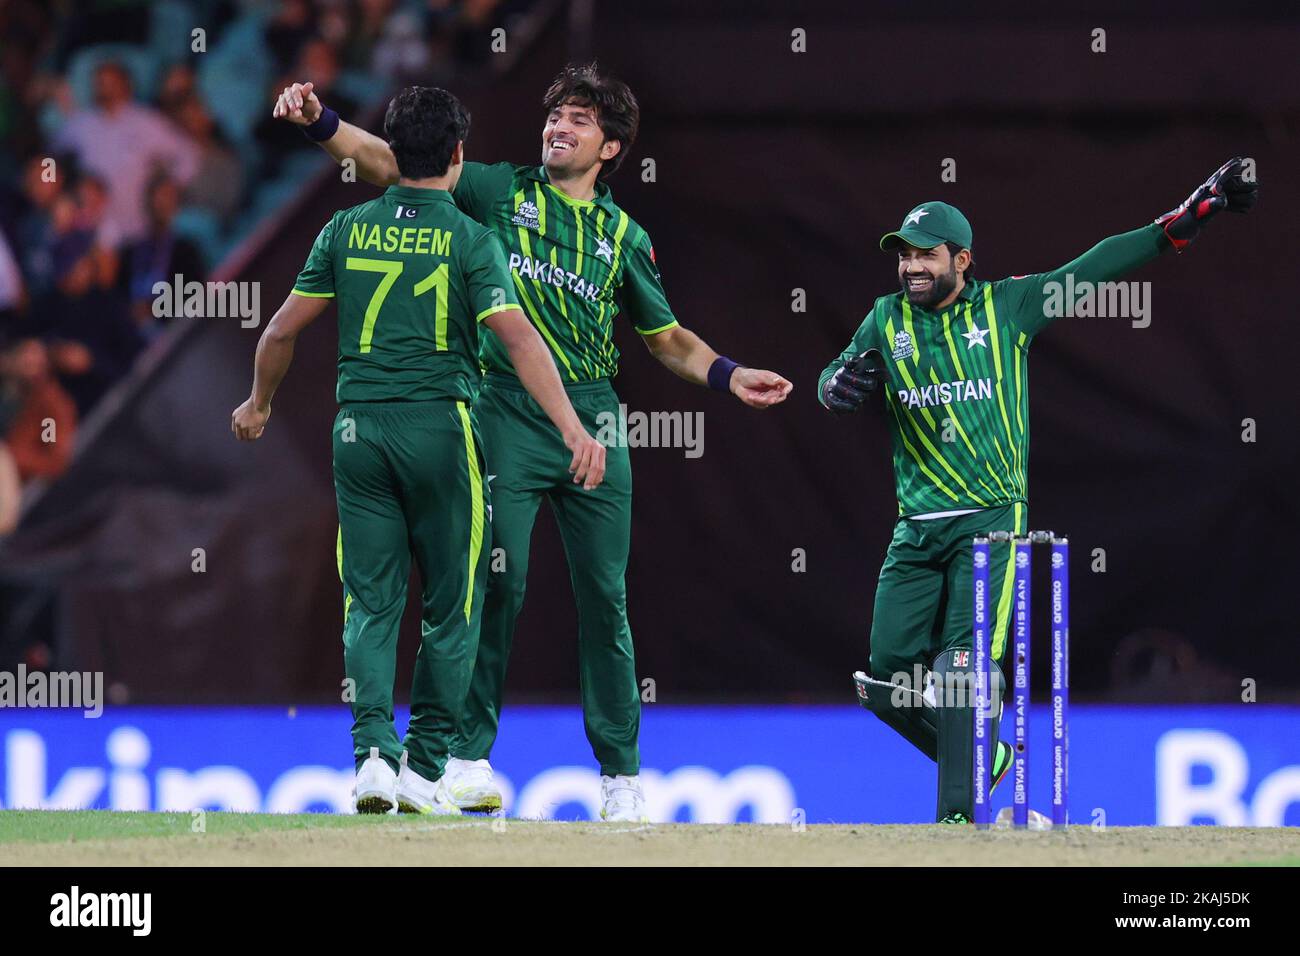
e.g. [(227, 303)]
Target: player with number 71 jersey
[(393, 257)]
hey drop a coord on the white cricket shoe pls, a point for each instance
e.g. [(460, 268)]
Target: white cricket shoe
[(376, 787), (621, 800), (471, 787), (417, 794)]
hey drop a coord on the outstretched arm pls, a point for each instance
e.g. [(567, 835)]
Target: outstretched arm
[(680, 349), (300, 106), (688, 356), (274, 353), (1227, 188), (1230, 187)]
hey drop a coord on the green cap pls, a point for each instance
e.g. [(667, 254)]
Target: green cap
[(928, 225)]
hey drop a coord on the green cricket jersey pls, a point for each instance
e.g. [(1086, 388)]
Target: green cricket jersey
[(958, 392), (575, 265), (414, 276)]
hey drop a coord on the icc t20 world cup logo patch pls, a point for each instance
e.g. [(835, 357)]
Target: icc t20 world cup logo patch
[(903, 347), (527, 216)]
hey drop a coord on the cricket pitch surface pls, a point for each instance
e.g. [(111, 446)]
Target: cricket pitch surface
[(106, 838)]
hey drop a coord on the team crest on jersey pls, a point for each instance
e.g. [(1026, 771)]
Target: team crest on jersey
[(605, 251), (903, 347), (526, 215)]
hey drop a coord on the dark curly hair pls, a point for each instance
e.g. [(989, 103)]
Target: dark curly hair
[(423, 125), (617, 111)]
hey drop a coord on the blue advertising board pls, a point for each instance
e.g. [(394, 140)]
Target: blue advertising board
[(1236, 765)]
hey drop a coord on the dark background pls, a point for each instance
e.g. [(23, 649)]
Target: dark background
[(777, 171)]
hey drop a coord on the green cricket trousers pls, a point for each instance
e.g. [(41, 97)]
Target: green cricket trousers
[(527, 461), (408, 479), (923, 621)]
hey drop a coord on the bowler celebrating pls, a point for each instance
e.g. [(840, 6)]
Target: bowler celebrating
[(951, 354), (578, 261), (414, 278)]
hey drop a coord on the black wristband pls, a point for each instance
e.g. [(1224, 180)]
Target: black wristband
[(325, 126), (720, 373)]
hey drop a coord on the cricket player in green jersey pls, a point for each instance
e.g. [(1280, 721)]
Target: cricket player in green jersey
[(950, 353), (413, 277), (577, 262)]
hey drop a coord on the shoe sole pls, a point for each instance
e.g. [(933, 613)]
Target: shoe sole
[(374, 803), (406, 806), (490, 804)]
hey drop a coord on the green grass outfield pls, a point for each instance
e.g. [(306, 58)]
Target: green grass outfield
[(108, 838), (46, 826)]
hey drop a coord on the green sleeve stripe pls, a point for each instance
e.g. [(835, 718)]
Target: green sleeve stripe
[(495, 309), (663, 328), (313, 295)]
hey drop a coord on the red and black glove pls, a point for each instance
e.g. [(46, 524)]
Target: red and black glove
[(1226, 189)]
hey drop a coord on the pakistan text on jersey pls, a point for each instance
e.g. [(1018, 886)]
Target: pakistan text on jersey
[(945, 393), (417, 240), (529, 268)]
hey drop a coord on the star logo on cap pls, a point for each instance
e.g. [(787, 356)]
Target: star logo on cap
[(914, 217), (975, 337)]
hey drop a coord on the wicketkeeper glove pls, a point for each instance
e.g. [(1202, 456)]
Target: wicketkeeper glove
[(1226, 189), (854, 381)]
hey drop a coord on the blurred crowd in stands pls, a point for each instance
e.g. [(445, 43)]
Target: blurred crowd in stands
[(136, 149)]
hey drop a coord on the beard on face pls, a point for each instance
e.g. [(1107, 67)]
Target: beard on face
[(939, 289)]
